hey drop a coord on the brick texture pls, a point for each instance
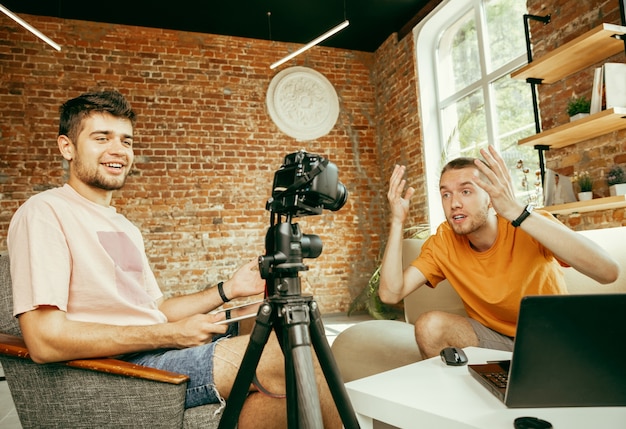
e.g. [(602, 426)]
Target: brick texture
[(206, 148)]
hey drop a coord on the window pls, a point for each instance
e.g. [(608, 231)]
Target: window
[(466, 50)]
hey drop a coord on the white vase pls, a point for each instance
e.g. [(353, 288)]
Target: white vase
[(578, 116), (619, 189), (585, 196)]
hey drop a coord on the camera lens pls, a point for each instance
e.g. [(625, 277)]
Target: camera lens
[(340, 199), (311, 245)]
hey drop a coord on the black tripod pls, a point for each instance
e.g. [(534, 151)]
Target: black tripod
[(292, 316)]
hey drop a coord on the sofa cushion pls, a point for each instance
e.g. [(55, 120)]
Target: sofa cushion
[(394, 346), (612, 240), (425, 298), (8, 323)]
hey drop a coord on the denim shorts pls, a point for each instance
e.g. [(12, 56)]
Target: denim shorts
[(195, 362)]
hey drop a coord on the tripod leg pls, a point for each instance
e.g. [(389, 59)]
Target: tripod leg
[(290, 377), (241, 386), (308, 398), (330, 369), (299, 360)]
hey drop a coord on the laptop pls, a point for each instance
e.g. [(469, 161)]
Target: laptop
[(569, 351)]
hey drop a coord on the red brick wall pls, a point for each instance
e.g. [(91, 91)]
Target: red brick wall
[(206, 148), (399, 129), (569, 19)]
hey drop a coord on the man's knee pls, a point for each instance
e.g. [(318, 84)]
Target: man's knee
[(430, 323), (435, 330)]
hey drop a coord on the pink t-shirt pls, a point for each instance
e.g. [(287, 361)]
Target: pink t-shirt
[(83, 258)]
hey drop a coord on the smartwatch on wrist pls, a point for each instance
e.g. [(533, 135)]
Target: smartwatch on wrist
[(527, 211)]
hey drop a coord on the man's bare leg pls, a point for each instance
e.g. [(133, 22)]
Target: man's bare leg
[(259, 410), (436, 330)]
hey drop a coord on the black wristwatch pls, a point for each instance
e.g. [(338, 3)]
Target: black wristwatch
[(220, 290), (527, 211)]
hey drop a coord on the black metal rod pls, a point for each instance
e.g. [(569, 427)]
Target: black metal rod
[(533, 88), (527, 17), (542, 164), (622, 14), (533, 85)]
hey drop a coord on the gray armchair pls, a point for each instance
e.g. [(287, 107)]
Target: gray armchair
[(90, 393)]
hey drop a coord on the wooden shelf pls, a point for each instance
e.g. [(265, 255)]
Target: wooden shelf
[(582, 52), (583, 129), (607, 203)]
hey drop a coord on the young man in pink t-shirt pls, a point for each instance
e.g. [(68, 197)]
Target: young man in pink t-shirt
[(492, 249), (83, 287)]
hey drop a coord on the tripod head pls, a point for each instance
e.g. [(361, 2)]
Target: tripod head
[(304, 185), (285, 247)]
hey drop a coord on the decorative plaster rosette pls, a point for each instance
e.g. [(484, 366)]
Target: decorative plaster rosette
[(302, 103)]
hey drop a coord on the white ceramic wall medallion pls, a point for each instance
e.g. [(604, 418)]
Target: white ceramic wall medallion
[(302, 103)]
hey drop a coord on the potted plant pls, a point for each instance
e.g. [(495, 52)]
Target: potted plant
[(578, 107), (616, 181), (585, 186), (368, 298)]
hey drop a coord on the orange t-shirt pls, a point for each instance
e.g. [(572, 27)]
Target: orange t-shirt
[(492, 283)]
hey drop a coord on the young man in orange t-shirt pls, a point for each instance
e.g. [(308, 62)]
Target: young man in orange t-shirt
[(492, 249)]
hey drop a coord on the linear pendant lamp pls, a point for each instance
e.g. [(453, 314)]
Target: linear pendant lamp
[(30, 28), (312, 43)]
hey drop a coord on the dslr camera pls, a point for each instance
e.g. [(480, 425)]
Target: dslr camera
[(305, 185)]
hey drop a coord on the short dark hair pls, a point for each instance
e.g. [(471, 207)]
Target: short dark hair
[(74, 111), (458, 164)]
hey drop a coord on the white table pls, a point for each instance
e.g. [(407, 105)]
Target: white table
[(430, 394)]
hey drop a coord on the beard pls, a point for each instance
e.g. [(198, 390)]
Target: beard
[(94, 178), (471, 225)]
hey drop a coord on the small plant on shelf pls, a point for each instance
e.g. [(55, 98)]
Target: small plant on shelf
[(585, 184), (578, 105), (615, 176)]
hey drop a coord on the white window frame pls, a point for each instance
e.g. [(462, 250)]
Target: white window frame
[(427, 35)]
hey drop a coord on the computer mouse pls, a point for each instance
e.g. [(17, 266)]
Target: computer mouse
[(453, 356), (531, 423)]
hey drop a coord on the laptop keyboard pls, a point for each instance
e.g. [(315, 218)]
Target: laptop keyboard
[(500, 379)]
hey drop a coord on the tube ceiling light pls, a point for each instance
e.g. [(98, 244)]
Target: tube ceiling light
[(29, 27), (312, 43)]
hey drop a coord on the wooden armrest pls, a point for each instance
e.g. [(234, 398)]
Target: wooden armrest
[(11, 345)]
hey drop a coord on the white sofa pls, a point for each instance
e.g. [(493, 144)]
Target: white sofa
[(379, 345)]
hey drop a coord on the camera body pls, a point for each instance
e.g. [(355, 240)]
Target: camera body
[(305, 185)]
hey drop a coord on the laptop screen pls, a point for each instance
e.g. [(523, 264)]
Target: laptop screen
[(570, 350)]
